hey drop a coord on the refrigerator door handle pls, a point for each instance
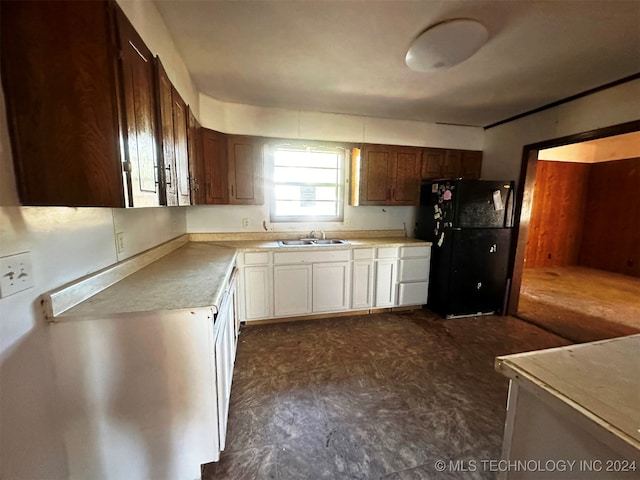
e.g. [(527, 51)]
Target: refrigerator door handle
[(509, 211)]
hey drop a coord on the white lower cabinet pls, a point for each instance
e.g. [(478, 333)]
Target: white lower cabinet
[(145, 394), (331, 282), (255, 298), (292, 290), (385, 285), (296, 282), (257, 292), (413, 275), (224, 355), (362, 276)]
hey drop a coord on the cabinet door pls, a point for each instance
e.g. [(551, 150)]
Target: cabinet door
[(196, 163), (214, 158), (375, 174), (224, 351), (385, 283), (405, 188), (471, 164), (140, 115), (415, 293), (451, 165), (362, 285), (257, 292), (62, 103), (330, 287), (432, 161), (245, 163), (292, 290), (180, 123), (165, 121)]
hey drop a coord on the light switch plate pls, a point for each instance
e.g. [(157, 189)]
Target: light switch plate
[(16, 274)]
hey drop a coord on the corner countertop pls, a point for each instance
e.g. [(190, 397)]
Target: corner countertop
[(185, 273), (601, 380), (192, 276)]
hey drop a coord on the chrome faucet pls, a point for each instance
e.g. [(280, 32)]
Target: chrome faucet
[(324, 235), (312, 234)]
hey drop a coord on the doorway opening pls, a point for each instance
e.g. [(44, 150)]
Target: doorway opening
[(576, 268)]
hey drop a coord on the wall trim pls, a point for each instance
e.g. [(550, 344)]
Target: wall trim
[(606, 86)]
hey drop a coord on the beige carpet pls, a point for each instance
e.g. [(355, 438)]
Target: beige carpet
[(579, 303)]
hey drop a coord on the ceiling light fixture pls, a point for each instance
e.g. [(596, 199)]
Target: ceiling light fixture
[(446, 44)]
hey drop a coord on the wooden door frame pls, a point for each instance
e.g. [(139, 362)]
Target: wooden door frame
[(525, 193)]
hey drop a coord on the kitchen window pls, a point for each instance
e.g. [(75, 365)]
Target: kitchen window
[(307, 183)]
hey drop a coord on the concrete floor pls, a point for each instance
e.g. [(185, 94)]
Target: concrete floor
[(579, 303), (366, 397)]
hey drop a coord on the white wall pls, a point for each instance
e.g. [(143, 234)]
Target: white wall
[(503, 145)]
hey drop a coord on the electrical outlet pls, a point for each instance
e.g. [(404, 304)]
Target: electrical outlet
[(245, 223), (16, 274), (119, 242)]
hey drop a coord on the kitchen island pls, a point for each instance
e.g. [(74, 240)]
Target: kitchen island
[(573, 412)]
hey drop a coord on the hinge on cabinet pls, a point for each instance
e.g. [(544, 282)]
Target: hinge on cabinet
[(126, 166)]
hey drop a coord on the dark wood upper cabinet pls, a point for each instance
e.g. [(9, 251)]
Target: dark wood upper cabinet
[(406, 176), (245, 164), (214, 182), (59, 74), (389, 175), (442, 163), (80, 95), (138, 95), (196, 162), (165, 120), (180, 125), (471, 164)]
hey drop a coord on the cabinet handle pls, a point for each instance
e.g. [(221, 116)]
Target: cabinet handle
[(232, 190), (168, 178)]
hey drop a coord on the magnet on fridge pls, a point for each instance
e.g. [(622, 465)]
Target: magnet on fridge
[(447, 195), (441, 239), (434, 188), (497, 201)]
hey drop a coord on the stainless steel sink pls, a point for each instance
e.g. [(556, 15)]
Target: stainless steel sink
[(330, 241), (294, 243), (311, 242)]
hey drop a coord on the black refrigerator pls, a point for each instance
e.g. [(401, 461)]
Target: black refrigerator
[(470, 224)]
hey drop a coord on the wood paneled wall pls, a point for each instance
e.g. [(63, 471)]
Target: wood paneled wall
[(556, 223), (586, 214), (611, 236)]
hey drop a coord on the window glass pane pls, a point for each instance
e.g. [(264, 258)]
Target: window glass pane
[(304, 175), (306, 183)]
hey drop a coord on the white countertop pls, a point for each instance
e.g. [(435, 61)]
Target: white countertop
[(599, 379), (194, 275)]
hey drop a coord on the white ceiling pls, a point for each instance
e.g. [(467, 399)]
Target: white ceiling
[(347, 56)]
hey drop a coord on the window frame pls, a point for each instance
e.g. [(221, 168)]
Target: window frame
[(320, 147)]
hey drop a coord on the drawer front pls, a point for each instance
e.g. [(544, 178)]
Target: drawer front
[(363, 253), (387, 252), (256, 258), (288, 258), (412, 293), (413, 270), (424, 251)]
